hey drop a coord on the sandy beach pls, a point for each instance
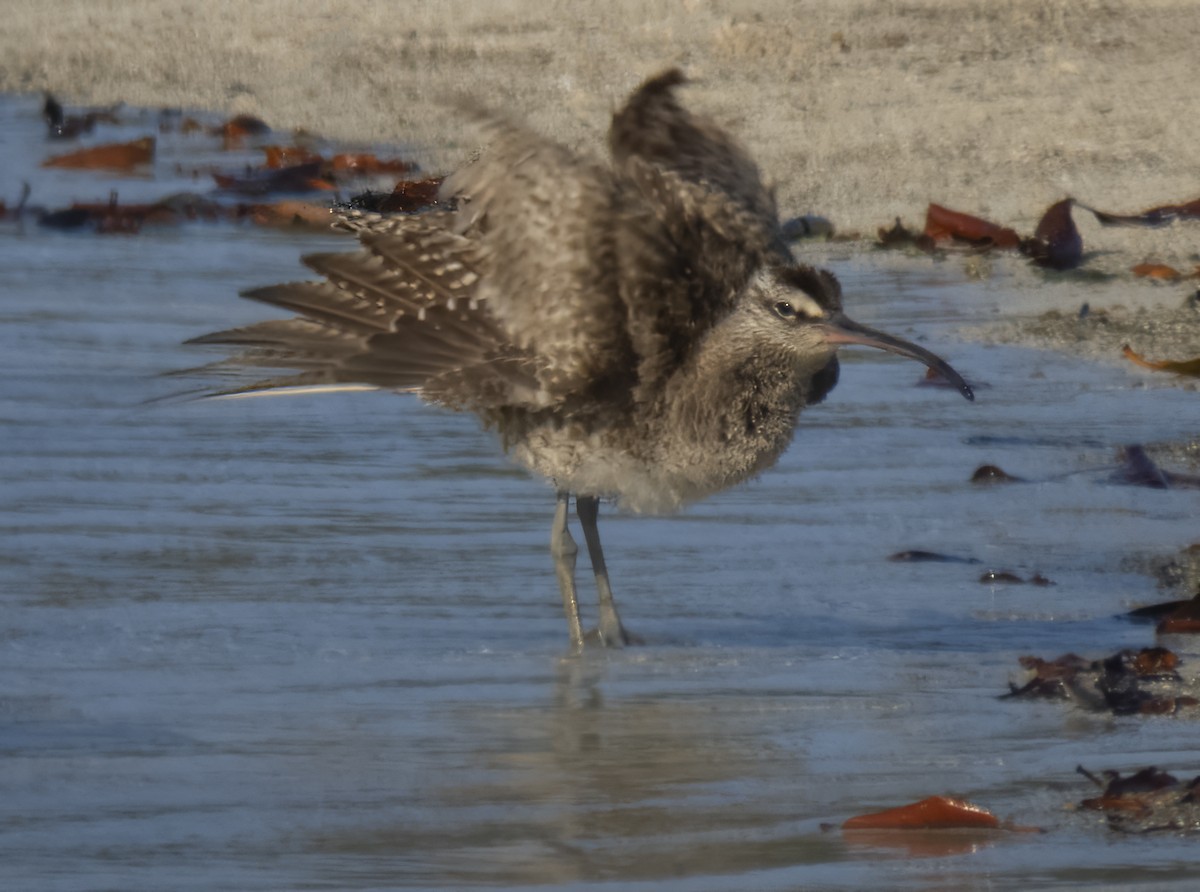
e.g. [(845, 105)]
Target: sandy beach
[(858, 111)]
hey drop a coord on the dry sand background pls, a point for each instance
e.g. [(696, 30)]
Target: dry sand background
[(859, 110)]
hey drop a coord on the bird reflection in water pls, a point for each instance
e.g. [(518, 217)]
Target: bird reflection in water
[(592, 787)]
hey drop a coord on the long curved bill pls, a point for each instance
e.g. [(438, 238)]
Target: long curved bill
[(841, 330)]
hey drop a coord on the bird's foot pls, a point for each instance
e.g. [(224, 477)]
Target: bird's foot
[(612, 636)]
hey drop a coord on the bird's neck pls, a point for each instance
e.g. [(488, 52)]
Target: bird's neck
[(736, 402)]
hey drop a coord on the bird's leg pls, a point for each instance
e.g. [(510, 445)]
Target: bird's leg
[(611, 632), (564, 549)]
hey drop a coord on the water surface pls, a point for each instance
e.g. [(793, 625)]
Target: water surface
[(315, 643)]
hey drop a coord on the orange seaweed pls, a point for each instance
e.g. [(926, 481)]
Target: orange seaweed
[(121, 157), (1158, 271), (277, 157), (366, 163), (1179, 625), (233, 132), (1149, 800), (297, 178), (942, 224), (1184, 619), (936, 812), (291, 213), (1189, 367)]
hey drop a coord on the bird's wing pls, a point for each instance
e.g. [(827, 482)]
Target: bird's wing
[(556, 282), (694, 221), (399, 313), (540, 219)]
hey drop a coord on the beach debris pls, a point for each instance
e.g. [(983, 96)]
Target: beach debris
[(917, 556), (1184, 621), (1190, 367), (108, 218), (408, 196), (1142, 682), (298, 169), (1149, 800), (290, 213), (245, 194), (943, 224), (986, 475), (21, 208), (934, 840), (60, 125), (234, 131), (1155, 612), (1172, 617), (368, 164), (1001, 577), (1056, 243), (899, 236), (56, 120), (807, 226), (1163, 215), (122, 157), (934, 827), (112, 217), (276, 157), (1137, 468), (354, 163), (932, 813), (1007, 577), (1161, 272), (172, 121), (298, 178)]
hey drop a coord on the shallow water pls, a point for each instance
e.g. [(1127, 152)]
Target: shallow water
[(316, 642)]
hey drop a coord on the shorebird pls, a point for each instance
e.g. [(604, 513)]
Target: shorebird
[(635, 329)]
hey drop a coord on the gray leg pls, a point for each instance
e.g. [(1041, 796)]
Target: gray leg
[(564, 549), (612, 633)]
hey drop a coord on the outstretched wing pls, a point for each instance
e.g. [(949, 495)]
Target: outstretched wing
[(557, 281), (512, 300), (399, 313), (694, 221), (541, 225)]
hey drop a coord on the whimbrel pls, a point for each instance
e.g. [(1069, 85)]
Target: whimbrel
[(636, 329)]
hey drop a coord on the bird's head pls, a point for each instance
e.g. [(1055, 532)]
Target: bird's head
[(799, 310)]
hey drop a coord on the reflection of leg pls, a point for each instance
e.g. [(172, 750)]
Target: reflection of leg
[(612, 633), (564, 549)]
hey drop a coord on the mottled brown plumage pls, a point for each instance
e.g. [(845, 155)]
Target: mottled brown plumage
[(636, 329)]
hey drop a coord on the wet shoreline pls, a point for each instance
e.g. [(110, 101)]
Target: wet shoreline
[(261, 644)]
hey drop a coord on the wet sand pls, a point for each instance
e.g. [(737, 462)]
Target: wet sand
[(859, 111)]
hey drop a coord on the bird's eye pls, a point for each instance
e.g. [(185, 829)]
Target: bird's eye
[(784, 310)]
